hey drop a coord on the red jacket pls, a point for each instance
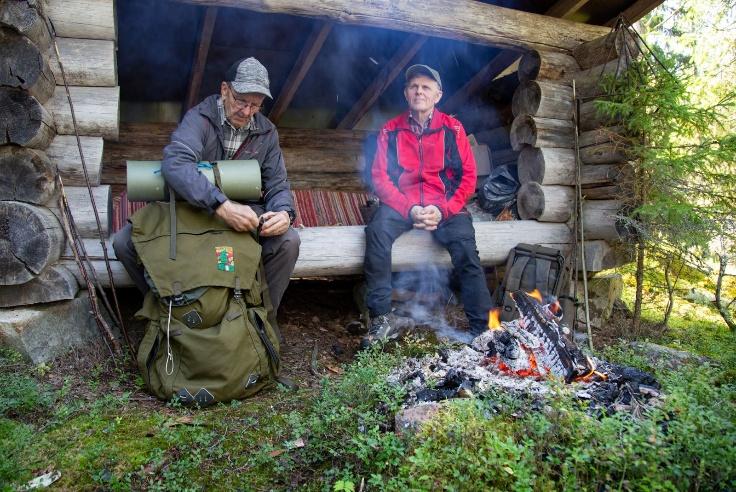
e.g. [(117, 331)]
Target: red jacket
[(437, 168)]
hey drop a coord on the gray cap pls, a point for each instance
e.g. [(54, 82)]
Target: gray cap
[(248, 75), (430, 72)]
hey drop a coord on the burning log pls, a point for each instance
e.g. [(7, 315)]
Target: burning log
[(543, 99), (24, 66), (26, 175), (546, 65)]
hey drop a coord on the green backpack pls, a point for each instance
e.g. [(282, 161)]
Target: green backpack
[(209, 338)]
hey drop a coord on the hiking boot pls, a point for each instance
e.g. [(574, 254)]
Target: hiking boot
[(381, 329)]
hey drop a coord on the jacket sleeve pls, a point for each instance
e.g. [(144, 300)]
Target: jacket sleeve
[(276, 189), (179, 166), (466, 188), (383, 185)]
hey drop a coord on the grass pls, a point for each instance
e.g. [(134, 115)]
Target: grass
[(100, 433)]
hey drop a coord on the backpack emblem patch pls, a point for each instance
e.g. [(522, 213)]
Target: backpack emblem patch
[(225, 258)]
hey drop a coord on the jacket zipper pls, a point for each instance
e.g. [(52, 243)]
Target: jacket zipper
[(421, 171)]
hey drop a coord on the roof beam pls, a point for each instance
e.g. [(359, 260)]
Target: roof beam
[(385, 77), (200, 58), (303, 63), (482, 79), (464, 20), (636, 11), (563, 8)]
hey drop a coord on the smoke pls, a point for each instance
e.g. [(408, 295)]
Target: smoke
[(426, 297)]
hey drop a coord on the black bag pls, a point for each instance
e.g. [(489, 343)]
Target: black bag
[(499, 190), (529, 267)]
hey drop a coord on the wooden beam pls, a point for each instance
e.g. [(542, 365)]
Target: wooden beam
[(200, 58), (563, 8), (480, 80), (635, 11), (463, 20), (303, 63), (385, 77)]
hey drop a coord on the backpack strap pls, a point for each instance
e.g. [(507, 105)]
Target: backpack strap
[(172, 224)]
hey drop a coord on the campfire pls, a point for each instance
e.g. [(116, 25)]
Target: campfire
[(525, 355)]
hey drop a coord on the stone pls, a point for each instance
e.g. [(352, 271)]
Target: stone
[(411, 419), (43, 332), (669, 358)]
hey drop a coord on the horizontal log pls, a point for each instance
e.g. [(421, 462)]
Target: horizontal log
[(97, 111), (604, 153), (605, 48), (589, 83), (92, 248), (322, 161), (64, 153), (612, 134), (606, 192), (26, 175), (591, 118), (87, 19), (543, 99), (541, 132), (596, 174), (23, 120), (464, 20), (335, 251), (545, 203), (24, 66), (82, 212), (605, 219), (547, 166), (547, 65), (32, 240), (55, 283), (332, 181), (87, 62), (600, 255), (27, 18)]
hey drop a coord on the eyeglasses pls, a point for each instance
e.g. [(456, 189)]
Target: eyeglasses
[(240, 104)]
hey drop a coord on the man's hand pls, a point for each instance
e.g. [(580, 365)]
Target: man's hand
[(274, 223), (240, 217), (427, 218)]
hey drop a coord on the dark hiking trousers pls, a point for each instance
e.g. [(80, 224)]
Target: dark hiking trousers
[(279, 254), (456, 234)]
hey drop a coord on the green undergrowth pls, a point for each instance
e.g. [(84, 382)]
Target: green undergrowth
[(341, 435)]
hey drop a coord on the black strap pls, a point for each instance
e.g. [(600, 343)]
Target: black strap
[(172, 224)]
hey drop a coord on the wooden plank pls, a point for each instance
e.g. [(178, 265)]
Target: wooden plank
[(564, 8), (385, 77), (200, 58), (464, 20), (303, 63), (636, 11), (97, 111), (480, 80), (86, 19), (87, 62), (335, 251)]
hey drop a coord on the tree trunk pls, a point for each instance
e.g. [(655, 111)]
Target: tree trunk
[(588, 82), (82, 212), (26, 17), (31, 240), (24, 67), (605, 153), (96, 109), (87, 19), (87, 62), (604, 49), (463, 20), (64, 153), (55, 283), (23, 120), (723, 309), (639, 295), (543, 99), (547, 166), (26, 175), (541, 132), (547, 65), (545, 203)]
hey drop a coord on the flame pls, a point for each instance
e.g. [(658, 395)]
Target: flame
[(536, 295), (494, 319), (555, 307), (592, 373)]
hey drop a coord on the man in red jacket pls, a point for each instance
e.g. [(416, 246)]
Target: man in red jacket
[(423, 173)]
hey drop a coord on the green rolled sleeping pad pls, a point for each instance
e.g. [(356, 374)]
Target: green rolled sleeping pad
[(239, 180)]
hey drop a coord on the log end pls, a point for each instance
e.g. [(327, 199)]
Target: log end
[(530, 201)]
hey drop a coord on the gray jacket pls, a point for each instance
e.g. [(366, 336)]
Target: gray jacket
[(199, 138)]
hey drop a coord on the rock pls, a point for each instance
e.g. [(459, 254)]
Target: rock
[(698, 296), (665, 356), (43, 332), (412, 418)]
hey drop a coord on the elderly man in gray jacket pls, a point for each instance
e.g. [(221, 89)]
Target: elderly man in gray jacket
[(224, 126)]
